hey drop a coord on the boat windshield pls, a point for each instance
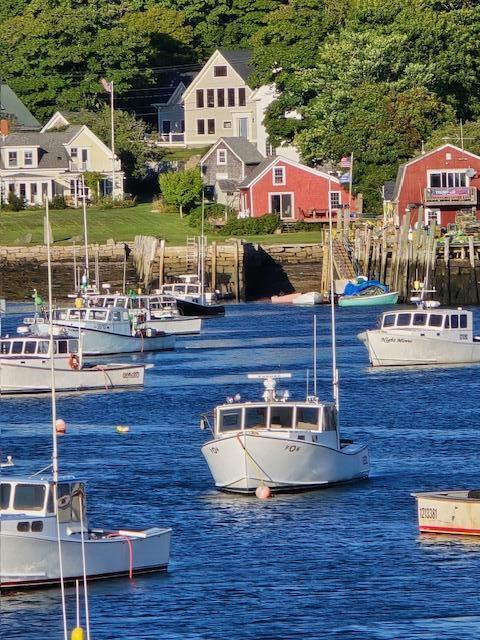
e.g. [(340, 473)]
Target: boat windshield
[(29, 497), (255, 417), (307, 418), (230, 419), (281, 416), (5, 492)]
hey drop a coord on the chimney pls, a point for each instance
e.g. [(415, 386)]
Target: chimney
[(4, 127)]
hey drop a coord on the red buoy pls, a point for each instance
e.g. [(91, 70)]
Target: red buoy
[(263, 492)]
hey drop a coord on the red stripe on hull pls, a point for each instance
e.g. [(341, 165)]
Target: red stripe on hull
[(471, 532)]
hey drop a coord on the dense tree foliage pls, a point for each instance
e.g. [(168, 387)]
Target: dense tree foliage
[(181, 188)]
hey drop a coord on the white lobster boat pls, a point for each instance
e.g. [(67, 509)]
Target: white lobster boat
[(280, 444), (29, 549), (25, 363), (105, 331), (453, 512)]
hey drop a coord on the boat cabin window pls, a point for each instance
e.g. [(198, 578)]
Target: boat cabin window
[(62, 346), (307, 418), (255, 417), (77, 314), (116, 316), (403, 319), (70, 498), (5, 491), (329, 418), (281, 416), (389, 320), (230, 420), (17, 346), (99, 315), (4, 348), (419, 319), (30, 347), (435, 320), (29, 497), (43, 346), (463, 321), (192, 289)]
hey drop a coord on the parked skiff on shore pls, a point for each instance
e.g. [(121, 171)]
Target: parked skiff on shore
[(454, 512)]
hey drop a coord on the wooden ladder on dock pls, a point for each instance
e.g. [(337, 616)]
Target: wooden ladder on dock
[(191, 254), (342, 264)]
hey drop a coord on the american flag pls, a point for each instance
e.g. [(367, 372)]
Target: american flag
[(346, 162), (106, 85)]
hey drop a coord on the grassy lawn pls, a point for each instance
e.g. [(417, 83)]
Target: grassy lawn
[(119, 224)]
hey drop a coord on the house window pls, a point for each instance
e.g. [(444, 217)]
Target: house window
[(199, 95), (12, 158), (448, 179), (74, 153), (334, 199), (23, 191), (220, 97), (241, 97), (221, 156), (231, 97), (28, 158), (432, 215), (220, 71), (278, 175), (33, 192), (227, 124), (211, 126), (166, 126), (200, 127), (210, 98)]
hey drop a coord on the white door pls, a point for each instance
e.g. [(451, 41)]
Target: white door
[(242, 127)]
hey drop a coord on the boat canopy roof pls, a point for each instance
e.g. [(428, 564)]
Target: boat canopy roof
[(93, 314)]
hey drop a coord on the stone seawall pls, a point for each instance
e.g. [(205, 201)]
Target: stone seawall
[(246, 271)]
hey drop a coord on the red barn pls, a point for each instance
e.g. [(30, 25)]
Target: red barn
[(294, 191), (445, 181)]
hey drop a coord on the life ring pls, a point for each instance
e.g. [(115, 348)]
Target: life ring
[(73, 362)]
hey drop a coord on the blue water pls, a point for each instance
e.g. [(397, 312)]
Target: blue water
[(343, 563)]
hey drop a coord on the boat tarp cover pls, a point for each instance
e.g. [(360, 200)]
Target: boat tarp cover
[(357, 289)]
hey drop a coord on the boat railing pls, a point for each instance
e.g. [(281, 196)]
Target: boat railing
[(207, 421)]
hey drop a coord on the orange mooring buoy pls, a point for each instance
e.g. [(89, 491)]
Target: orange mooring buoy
[(60, 426), (263, 492)]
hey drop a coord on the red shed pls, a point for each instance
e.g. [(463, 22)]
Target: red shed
[(445, 181), (293, 190)]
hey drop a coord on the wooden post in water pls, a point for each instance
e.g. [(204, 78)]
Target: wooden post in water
[(236, 269), (161, 264)]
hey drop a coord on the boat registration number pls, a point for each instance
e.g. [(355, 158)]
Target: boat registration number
[(131, 374), (428, 513)]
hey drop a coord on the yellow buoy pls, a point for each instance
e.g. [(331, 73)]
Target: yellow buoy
[(77, 633), (122, 429)]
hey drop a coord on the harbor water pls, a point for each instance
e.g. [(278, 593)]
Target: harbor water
[(345, 563)]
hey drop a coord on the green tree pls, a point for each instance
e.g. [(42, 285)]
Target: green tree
[(130, 138), (469, 132), (181, 188)]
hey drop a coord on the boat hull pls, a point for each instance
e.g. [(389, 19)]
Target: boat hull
[(368, 301), (450, 512), (241, 463), (28, 376), (33, 561), (311, 297), (397, 348), (189, 308), (178, 326), (288, 298)]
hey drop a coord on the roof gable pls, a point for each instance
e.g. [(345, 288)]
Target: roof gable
[(244, 150), (237, 60), (262, 169)]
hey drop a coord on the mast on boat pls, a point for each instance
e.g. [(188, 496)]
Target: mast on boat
[(335, 385)]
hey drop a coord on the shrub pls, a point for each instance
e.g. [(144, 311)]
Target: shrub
[(265, 224), (211, 211), (116, 203), (58, 202), (14, 202)]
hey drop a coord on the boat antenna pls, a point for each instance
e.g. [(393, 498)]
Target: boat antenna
[(54, 418), (336, 396), (315, 355)]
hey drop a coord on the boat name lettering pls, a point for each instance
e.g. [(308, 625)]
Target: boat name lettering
[(463, 336), (131, 374), (214, 449), (292, 448), (402, 340), (428, 513)]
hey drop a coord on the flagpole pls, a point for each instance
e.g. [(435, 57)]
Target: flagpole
[(113, 139)]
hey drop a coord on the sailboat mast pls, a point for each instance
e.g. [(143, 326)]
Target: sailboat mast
[(52, 362), (85, 232), (202, 255), (336, 395)]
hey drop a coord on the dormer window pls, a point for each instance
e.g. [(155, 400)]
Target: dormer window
[(220, 71), (12, 159), (28, 158)]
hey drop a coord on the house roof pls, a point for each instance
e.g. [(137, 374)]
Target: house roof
[(272, 160), (227, 185), (245, 151), (12, 106), (240, 60), (53, 154)]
